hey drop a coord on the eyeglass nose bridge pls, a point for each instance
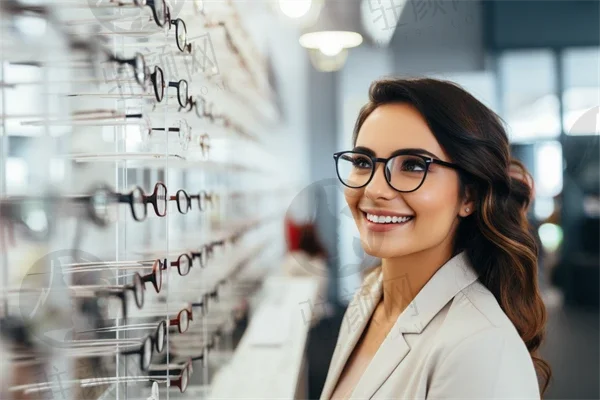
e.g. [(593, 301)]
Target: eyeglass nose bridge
[(386, 173)]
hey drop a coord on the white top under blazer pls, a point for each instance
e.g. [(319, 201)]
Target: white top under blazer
[(452, 342)]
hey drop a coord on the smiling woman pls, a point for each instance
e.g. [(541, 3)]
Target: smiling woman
[(454, 309)]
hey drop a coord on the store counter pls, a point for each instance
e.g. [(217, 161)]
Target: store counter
[(270, 359)]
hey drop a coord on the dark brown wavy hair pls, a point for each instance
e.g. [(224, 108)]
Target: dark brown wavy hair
[(496, 237)]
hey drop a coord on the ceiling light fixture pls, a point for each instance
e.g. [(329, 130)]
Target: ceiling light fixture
[(334, 32), (295, 8)]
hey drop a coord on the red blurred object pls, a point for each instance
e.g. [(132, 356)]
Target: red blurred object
[(292, 234)]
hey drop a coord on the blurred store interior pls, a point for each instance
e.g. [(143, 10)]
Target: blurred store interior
[(290, 85)]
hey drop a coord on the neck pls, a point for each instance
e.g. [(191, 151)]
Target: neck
[(404, 277)]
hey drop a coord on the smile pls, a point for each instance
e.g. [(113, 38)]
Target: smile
[(384, 223), (383, 219)]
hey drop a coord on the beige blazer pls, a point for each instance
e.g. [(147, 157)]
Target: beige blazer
[(452, 342)]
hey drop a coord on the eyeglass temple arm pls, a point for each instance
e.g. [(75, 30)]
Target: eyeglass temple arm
[(170, 129)]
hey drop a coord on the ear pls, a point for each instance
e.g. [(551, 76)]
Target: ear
[(467, 205)]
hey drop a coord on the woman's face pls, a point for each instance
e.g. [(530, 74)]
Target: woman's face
[(433, 209)]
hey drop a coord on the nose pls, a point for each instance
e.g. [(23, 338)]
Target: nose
[(378, 187)]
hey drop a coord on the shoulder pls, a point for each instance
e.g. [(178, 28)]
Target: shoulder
[(474, 315), (478, 345)]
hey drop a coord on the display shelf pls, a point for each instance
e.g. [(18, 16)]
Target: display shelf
[(105, 96)]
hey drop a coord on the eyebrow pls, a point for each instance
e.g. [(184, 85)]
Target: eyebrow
[(370, 152)]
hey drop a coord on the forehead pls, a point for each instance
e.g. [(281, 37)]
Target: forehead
[(397, 126)]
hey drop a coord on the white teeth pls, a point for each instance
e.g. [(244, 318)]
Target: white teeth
[(386, 219)]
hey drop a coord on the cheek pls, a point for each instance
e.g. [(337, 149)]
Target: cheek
[(438, 199), (352, 197)]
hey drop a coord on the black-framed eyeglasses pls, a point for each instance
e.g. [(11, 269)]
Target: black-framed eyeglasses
[(203, 198), (158, 337), (181, 35), (137, 287), (182, 321), (405, 171), (103, 197), (182, 379), (159, 84), (155, 277), (145, 352), (183, 200), (182, 91), (159, 10), (157, 77), (203, 109), (183, 263), (184, 132), (207, 252), (138, 63)]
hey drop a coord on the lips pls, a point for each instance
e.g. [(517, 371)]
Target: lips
[(380, 219), (372, 222)]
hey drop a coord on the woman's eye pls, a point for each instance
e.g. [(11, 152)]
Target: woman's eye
[(361, 162), (413, 165)]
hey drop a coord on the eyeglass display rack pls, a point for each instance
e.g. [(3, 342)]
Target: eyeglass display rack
[(140, 203)]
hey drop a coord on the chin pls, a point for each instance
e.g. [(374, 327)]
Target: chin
[(387, 248)]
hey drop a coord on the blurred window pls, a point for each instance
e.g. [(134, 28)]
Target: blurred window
[(529, 101), (581, 96)]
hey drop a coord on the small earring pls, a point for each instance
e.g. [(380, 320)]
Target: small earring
[(467, 209)]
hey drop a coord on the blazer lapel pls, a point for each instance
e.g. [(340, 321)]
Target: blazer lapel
[(357, 316), (448, 281)]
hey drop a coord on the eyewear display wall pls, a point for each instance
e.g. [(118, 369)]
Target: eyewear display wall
[(123, 234)]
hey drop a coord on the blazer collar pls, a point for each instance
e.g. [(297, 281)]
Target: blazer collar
[(447, 282)]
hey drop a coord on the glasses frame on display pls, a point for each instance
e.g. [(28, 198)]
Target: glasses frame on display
[(158, 16), (100, 347), (203, 198), (182, 260), (427, 160), (206, 252), (184, 132), (138, 64), (155, 277), (181, 381), (93, 291), (181, 34), (159, 337), (182, 321), (183, 201), (137, 287), (104, 194)]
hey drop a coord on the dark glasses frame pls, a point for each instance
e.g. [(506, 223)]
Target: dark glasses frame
[(374, 160), (136, 286), (159, 18), (138, 63), (184, 377), (184, 132), (145, 352), (151, 199), (206, 252), (203, 197), (155, 277), (181, 31), (159, 84), (179, 263), (182, 321), (183, 201), (182, 91)]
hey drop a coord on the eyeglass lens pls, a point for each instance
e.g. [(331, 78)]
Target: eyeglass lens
[(404, 173)]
